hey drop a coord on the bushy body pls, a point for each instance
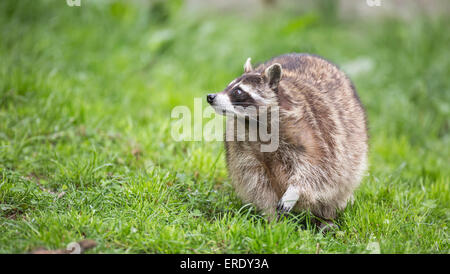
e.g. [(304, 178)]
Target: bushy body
[(323, 140)]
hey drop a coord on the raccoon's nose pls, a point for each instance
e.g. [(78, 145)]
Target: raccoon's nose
[(210, 98)]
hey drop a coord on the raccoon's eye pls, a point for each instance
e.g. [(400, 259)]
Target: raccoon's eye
[(238, 92)]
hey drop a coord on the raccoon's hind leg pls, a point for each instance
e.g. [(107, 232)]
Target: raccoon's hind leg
[(325, 226), (324, 217), (288, 201)]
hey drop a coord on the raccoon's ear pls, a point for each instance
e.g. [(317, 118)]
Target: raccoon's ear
[(273, 75), (248, 65)]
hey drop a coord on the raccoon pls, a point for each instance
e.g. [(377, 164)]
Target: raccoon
[(323, 140)]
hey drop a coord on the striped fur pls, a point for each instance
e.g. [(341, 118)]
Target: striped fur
[(322, 155)]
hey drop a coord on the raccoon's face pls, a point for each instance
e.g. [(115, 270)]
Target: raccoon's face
[(245, 95)]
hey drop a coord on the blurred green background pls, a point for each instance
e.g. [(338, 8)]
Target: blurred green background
[(85, 100)]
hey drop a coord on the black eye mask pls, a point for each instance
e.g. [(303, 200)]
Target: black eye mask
[(238, 97)]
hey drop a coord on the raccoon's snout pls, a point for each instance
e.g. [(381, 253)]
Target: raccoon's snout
[(210, 98)]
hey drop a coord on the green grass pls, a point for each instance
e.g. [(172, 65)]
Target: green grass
[(85, 101)]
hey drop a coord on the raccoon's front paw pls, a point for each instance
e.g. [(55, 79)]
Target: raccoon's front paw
[(282, 209), (288, 201)]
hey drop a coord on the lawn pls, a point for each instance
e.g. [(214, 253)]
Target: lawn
[(86, 151)]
